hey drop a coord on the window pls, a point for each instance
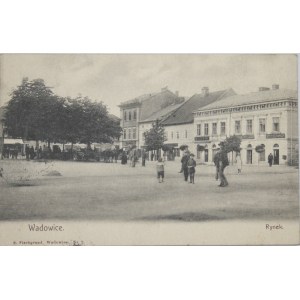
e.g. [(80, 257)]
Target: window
[(125, 115), (262, 125), (134, 115), (249, 126), (276, 126), (134, 133), (172, 135), (166, 135), (205, 129), (237, 127), (214, 128), (129, 116), (124, 134), (186, 134), (223, 127), (198, 129), (177, 135), (129, 134)]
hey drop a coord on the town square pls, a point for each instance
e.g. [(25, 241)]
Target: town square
[(129, 138)]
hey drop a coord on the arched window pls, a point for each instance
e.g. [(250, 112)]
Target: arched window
[(276, 146)]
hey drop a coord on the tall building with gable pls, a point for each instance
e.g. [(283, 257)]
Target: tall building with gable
[(139, 110)]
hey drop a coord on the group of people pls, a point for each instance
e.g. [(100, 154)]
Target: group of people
[(188, 166)]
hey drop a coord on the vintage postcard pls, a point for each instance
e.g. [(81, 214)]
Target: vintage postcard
[(149, 149)]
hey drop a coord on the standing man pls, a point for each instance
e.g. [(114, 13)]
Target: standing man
[(223, 163), (270, 159), (184, 164)]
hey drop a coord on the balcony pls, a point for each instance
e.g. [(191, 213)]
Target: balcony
[(275, 135)]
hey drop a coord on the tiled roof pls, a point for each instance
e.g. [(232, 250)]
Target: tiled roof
[(163, 113), (184, 114), (152, 103), (252, 98)]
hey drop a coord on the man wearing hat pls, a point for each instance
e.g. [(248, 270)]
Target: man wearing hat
[(222, 163)]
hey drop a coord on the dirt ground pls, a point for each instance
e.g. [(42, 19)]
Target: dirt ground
[(115, 192)]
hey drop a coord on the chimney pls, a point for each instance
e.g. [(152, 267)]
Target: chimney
[(177, 93), (263, 88), (164, 89), (205, 91), (275, 86)]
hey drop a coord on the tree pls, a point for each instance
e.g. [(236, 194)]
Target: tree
[(30, 111), (94, 124), (35, 112), (155, 137), (232, 144)]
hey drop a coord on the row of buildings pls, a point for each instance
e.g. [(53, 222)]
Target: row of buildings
[(267, 118)]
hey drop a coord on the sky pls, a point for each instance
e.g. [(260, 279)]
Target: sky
[(114, 78)]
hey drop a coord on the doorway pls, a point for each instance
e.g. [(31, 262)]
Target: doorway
[(276, 156), (206, 155), (249, 156)]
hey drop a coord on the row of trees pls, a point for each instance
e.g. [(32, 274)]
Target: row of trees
[(34, 112)]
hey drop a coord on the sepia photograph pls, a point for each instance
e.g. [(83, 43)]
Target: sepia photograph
[(149, 149)]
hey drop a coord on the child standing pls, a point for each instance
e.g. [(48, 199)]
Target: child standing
[(191, 164), (160, 168)]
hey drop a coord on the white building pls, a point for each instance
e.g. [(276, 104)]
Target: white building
[(268, 117)]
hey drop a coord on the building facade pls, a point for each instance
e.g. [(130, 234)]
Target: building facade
[(267, 119), (179, 126), (136, 115)]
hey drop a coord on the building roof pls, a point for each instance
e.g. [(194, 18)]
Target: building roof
[(184, 114), (253, 98), (163, 113), (152, 103), (114, 118)]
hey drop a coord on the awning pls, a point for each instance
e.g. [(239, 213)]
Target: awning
[(13, 141)]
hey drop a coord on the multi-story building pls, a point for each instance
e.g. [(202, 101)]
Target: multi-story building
[(179, 125), (135, 111), (267, 118)]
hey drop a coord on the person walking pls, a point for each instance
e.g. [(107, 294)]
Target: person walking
[(143, 159), (270, 159), (160, 168), (216, 162), (184, 162), (239, 163), (191, 164)]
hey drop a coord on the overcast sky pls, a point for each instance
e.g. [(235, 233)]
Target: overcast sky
[(116, 78)]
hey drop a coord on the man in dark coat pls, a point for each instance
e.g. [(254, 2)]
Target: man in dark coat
[(270, 159), (184, 163), (222, 164)]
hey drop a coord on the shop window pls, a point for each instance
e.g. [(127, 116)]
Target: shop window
[(262, 125), (237, 127), (214, 128), (198, 129), (249, 126), (205, 129), (276, 124), (223, 127)]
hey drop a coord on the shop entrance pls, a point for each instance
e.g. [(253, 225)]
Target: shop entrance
[(276, 156), (249, 156)]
